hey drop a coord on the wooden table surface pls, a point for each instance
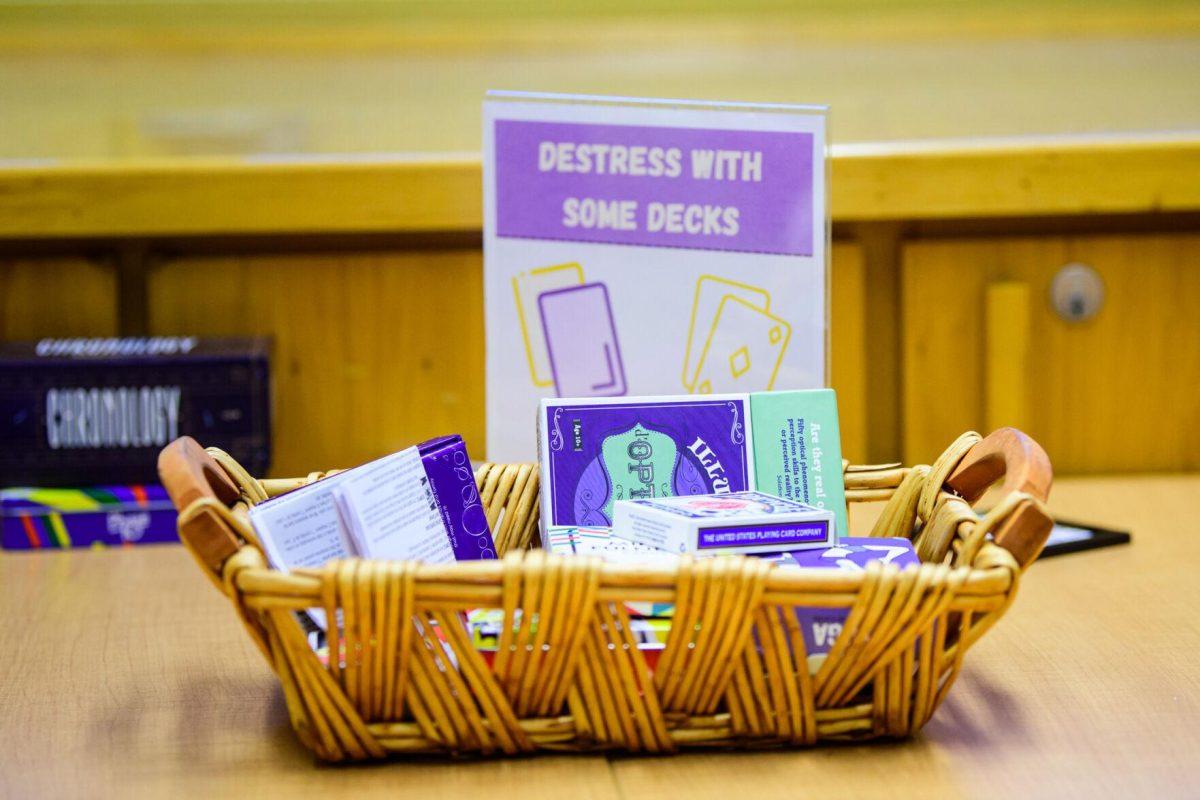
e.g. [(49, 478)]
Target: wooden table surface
[(125, 674)]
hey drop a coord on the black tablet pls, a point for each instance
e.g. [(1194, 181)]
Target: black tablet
[(1072, 537)]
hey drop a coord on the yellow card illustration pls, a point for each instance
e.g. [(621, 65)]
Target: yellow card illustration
[(743, 350), (527, 286), (710, 290)]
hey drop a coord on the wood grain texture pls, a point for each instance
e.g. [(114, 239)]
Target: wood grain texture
[(87, 79), (372, 351), (375, 351), (848, 347), (1086, 688), (881, 244), (1112, 394), (170, 197), (307, 25), (1006, 355), (389, 194), (56, 297)]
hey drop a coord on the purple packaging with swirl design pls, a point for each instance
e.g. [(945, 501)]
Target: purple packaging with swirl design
[(596, 451), (452, 484)]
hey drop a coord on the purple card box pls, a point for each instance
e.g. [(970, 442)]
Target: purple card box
[(821, 626), (452, 482), (579, 483)]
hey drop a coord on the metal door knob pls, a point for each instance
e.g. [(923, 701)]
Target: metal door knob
[(1077, 292)]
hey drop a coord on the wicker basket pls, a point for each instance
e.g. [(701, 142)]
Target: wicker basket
[(568, 675)]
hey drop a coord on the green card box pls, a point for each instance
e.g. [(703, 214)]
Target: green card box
[(798, 449)]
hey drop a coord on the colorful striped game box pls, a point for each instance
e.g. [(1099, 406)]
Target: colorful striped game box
[(94, 517)]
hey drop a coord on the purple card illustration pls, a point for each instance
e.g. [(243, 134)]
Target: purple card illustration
[(597, 452), (581, 340)]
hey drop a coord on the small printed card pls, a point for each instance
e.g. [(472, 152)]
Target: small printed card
[(486, 625), (601, 542), (740, 522)]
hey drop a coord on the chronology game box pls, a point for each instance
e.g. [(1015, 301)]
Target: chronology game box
[(97, 411)]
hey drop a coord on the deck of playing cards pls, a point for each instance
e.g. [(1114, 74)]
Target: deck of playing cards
[(600, 450), (741, 522), (597, 451)]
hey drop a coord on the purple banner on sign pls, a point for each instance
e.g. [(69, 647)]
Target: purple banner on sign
[(737, 190)]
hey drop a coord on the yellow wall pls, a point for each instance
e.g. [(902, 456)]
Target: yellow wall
[(118, 79), (173, 130), (56, 297)]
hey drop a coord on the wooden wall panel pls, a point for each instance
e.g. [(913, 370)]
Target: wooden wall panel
[(848, 355), (1116, 393), (373, 351), (56, 297), (135, 78), (364, 359)]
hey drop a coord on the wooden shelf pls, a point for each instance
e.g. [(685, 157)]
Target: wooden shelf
[(391, 194)]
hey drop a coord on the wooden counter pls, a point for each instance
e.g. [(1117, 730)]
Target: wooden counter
[(329, 195), (128, 675)]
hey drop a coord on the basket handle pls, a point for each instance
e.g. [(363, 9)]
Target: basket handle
[(1010, 454), (190, 474)]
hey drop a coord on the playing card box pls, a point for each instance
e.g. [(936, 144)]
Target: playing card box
[(596, 451), (737, 522), (822, 626)]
